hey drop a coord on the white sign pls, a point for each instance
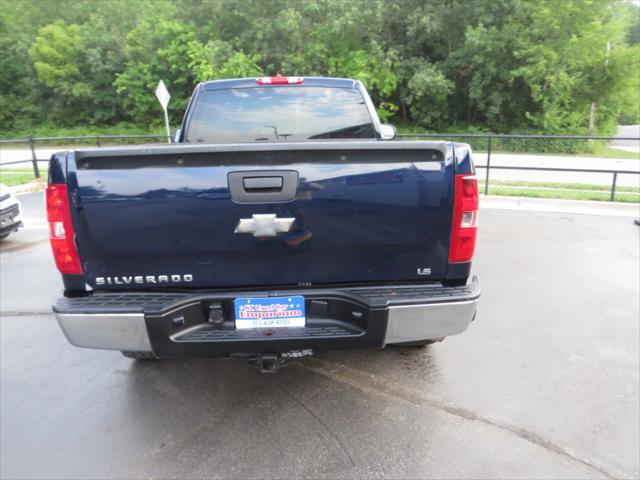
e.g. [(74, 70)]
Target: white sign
[(163, 96)]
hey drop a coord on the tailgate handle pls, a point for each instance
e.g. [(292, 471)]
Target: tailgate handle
[(263, 186)]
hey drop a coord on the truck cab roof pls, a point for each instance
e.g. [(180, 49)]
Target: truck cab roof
[(253, 82)]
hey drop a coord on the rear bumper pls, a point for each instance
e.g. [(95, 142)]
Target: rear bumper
[(176, 324), (10, 216), (9, 228)]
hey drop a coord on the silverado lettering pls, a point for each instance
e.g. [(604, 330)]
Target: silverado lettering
[(141, 280)]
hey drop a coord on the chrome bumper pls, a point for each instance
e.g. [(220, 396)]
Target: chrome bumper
[(116, 331), (410, 323)]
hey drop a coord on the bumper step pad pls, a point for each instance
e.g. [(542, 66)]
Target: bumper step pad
[(209, 333), (157, 303)]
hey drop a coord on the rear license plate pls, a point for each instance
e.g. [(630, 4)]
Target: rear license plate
[(271, 312)]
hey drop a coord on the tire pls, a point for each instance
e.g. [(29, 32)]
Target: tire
[(140, 355), (417, 343)]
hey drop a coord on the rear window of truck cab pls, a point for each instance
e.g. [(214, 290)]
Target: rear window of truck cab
[(287, 113)]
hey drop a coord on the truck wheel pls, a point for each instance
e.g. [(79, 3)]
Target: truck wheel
[(140, 355), (418, 343)]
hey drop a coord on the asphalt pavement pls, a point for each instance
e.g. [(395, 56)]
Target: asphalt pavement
[(544, 384)]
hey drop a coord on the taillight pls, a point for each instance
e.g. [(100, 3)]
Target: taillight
[(279, 80), (61, 230), (465, 218)]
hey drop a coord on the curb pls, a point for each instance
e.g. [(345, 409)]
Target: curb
[(35, 186), (616, 209)]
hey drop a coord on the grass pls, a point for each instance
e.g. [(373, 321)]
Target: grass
[(604, 151), (562, 186), (562, 191), (12, 176), (564, 194), (11, 179)]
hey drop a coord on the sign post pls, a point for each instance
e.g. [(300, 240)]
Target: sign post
[(163, 96)]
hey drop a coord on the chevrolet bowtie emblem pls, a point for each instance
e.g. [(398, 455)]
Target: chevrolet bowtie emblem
[(264, 225)]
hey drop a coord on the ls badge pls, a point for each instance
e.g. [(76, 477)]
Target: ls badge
[(264, 225)]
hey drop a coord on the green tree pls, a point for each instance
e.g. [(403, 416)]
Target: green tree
[(156, 49), (58, 56), (569, 66), (217, 60), (17, 80), (426, 94), (105, 31), (576, 62)]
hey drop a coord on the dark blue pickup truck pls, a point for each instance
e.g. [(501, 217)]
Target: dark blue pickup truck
[(281, 223)]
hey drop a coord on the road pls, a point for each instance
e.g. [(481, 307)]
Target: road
[(624, 132), (545, 383)]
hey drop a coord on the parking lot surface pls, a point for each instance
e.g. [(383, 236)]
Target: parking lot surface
[(545, 383)]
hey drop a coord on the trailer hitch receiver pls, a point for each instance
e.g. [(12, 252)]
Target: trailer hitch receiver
[(267, 363)]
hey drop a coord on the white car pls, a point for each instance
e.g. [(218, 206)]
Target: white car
[(10, 212)]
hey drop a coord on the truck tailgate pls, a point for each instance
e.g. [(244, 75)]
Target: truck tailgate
[(309, 213)]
